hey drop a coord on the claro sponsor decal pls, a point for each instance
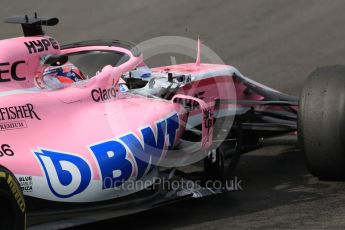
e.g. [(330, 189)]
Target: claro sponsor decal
[(100, 94), (69, 174), (13, 117)]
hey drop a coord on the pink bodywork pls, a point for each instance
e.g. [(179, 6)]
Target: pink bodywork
[(69, 121)]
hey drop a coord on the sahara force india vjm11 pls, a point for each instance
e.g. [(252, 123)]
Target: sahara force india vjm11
[(79, 122)]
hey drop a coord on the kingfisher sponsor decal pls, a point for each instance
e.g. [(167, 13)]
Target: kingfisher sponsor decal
[(13, 125), (99, 95), (117, 160), (18, 112), (11, 117)]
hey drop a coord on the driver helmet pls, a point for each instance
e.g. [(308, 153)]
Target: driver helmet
[(66, 74)]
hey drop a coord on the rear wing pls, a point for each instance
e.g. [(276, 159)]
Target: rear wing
[(32, 25)]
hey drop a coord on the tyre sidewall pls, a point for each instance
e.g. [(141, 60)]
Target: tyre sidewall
[(321, 122), (10, 192)]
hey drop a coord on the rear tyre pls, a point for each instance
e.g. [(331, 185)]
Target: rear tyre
[(321, 122), (12, 204)]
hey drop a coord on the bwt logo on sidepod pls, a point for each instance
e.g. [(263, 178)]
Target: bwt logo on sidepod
[(69, 174)]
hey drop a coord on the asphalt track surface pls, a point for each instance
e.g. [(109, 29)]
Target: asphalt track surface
[(276, 42)]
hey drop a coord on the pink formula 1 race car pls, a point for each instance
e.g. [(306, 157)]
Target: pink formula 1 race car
[(89, 132)]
